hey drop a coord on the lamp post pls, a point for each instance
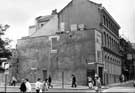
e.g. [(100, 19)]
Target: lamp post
[(6, 67), (6, 73)]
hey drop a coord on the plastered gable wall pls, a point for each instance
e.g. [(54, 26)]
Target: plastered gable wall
[(74, 50), (50, 28), (33, 53), (80, 12)]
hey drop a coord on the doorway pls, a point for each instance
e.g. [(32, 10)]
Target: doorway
[(44, 74), (100, 73)]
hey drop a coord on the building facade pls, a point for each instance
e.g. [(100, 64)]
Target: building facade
[(68, 53), (93, 15), (127, 52), (81, 39)]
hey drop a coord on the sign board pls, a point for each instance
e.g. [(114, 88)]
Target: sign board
[(98, 45), (6, 72), (62, 26)]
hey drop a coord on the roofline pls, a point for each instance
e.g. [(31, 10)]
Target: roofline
[(99, 5), (72, 1), (94, 3), (103, 8), (65, 7)]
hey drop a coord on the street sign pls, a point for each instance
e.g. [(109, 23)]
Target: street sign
[(6, 72)]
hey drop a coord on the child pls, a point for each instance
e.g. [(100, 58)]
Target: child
[(90, 82)]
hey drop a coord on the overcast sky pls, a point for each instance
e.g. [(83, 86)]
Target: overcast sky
[(19, 14)]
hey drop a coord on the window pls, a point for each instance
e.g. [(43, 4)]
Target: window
[(105, 38), (104, 20), (54, 40), (97, 40), (42, 25), (99, 56)]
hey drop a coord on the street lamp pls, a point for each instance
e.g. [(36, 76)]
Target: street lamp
[(5, 66)]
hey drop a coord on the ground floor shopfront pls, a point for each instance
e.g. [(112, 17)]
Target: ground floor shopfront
[(102, 72)]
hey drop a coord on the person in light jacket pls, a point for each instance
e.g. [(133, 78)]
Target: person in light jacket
[(38, 86), (28, 86)]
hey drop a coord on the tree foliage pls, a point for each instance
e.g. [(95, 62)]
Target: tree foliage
[(5, 52)]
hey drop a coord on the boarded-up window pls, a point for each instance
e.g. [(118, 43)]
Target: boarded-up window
[(54, 43)]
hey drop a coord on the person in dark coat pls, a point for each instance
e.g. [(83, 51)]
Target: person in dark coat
[(49, 82), (74, 81), (23, 86)]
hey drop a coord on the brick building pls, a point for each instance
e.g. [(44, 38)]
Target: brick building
[(83, 38)]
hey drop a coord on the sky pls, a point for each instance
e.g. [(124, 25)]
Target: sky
[(20, 14)]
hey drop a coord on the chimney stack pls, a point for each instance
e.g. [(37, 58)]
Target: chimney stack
[(54, 12)]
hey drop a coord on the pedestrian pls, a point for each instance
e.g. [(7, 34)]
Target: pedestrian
[(123, 78), (74, 81), (23, 86), (90, 82), (45, 85), (13, 81), (28, 86), (98, 84), (38, 86), (134, 83), (49, 82)]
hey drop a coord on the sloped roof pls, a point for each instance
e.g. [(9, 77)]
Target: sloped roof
[(44, 18), (98, 5), (86, 0)]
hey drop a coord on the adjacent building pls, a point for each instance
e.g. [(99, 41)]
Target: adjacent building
[(81, 39), (128, 59)]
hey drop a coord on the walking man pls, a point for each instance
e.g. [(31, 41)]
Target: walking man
[(74, 81), (49, 82)]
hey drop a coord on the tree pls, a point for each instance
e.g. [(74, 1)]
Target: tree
[(4, 51)]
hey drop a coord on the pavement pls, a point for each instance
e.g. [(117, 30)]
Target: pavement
[(120, 89), (56, 88), (79, 88)]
